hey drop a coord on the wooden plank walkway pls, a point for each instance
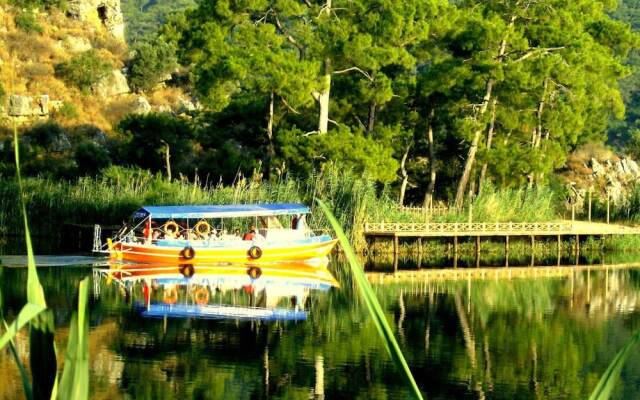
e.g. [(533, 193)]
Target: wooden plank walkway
[(454, 229)]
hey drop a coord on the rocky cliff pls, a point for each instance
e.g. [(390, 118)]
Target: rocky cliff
[(100, 13), (29, 61)]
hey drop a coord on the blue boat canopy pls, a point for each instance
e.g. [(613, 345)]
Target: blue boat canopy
[(220, 211)]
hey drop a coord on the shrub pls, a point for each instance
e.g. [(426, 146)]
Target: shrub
[(68, 110), (49, 135), (3, 94), (26, 21), (151, 62), (84, 70), (91, 158), (146, 138)]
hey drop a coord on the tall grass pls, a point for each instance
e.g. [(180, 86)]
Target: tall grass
[(113, 196)]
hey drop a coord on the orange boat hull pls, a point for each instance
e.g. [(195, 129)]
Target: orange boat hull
[(144, 253)]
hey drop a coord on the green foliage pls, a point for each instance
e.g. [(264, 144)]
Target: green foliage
[(373, 305), (3, 95), (147, 137), (143, 18), (151, 62), (352, 150), (84, 70), (91, 158), (26, 21), (46, 4), (68, 110)]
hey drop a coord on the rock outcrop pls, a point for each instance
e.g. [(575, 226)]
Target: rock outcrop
[(113, 84), (106, 13), (27, 106), (141, 106), (602, 173)]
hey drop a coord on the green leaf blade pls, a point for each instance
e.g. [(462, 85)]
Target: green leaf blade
[(374, 307)]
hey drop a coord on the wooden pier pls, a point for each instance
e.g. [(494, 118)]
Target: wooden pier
[(455, 230)]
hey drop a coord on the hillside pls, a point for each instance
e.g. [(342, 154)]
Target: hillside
[(67, 64)]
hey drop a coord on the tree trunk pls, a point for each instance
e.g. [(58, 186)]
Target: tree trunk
[(271, 151), (323, 99), (405, 175), (536, 138), (471, 155), (483, 171), (466, 173), (372, 117), (167, 159), (428, 197)]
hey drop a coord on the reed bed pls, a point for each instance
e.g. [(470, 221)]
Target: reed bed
[(112, 197)]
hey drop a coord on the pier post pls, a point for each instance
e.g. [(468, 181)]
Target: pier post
[(455, 252), (577, 249), (420, 246), (477, 251), (559, 255), (506, 251), (395, 253), (455, 245), (533, 249)]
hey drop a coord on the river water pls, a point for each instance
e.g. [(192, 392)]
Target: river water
[(546, 337)]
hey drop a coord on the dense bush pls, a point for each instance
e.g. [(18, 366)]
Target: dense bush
[(150, 64), (84, 69), (146, 138), (26, 21), (3, 94), (91, 158)]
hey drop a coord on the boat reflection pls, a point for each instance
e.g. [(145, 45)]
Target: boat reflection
[(266, 292)]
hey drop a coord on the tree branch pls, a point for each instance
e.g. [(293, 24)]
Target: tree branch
[(286, 33), (343, 71), (533, 52), (293, 110)]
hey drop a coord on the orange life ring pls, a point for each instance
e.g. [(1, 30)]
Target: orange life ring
[(202, 228), (170, 295), (255, 252), (254, 272), (187, 270), (171, 229), (188, 253), (201, 296)]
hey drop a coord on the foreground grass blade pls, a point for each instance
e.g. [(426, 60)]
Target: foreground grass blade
[(28, 313), (26, 384), (370, 299), (74, 384), (612, 375), (35, 293), (42, 355)]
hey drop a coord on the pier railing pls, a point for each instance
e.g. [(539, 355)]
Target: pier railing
[(468, 227)]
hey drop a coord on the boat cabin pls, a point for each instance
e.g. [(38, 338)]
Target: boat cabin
[(204, 224)]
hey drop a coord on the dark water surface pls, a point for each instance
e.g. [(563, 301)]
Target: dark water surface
[(547, 338)]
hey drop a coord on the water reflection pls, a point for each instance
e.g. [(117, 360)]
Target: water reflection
[(264, 292), (531, 335)]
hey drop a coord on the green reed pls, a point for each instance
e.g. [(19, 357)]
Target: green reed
[(373, 305)]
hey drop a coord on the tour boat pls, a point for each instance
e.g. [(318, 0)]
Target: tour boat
[(205, 234)]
